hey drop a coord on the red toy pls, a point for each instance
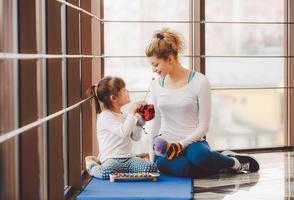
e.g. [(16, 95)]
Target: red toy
[(147, 112)]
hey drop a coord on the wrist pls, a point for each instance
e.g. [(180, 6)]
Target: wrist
[(140, 121)]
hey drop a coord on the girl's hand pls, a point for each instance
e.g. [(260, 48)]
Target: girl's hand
[(136, 106), (141, 121)]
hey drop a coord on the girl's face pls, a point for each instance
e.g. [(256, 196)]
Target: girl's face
[(123, 97), (159, 66)]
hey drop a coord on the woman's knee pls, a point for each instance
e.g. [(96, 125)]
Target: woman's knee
[(177, 167), (160, 163), (198, 155)]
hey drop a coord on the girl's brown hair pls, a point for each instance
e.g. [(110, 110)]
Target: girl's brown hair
[(102, 92), (164, 43)]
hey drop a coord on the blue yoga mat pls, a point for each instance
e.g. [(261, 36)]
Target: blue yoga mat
[(166, 187)]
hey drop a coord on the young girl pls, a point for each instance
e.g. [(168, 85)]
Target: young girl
[(115, 131), (182, 102)]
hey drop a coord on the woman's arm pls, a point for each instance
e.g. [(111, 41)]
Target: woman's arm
[(155, 125), (204, 104)]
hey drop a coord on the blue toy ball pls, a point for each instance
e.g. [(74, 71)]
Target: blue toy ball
[(159, 146)]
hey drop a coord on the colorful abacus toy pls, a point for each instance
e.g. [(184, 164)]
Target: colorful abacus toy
[(134, 176)]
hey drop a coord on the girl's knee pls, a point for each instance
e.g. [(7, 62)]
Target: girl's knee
[(152, 167), (147, 167), (105, 172)]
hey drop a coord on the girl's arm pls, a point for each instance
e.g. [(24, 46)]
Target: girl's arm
[(137, 132), (122, 129), (204, 104)]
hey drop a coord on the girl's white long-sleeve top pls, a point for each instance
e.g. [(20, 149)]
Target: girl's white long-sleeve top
[(115, 133), (182, 114)]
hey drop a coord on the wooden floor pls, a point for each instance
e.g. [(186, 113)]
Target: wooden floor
[(274, 181)]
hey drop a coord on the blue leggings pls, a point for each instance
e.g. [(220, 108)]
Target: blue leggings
[(122, 165), (197, 161)]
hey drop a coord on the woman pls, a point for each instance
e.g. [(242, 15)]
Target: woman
[(182, 103)]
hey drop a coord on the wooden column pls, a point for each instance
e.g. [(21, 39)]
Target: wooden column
[(54, 104), (97, 64), (8, 82), (199, 41), (291, 74), (28, 149), (74, 96), (86, 45)]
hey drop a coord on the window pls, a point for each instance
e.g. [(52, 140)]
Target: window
[(251, 118), (245, 62), (130, 39)]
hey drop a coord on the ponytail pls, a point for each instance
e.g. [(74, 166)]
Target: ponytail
[(165, 42), (92, 92)]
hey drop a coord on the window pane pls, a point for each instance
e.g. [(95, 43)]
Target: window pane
[(137, 72), (249, 10), (132, 38), (146, 9), (247, 119), (243, 39), (245, 72)]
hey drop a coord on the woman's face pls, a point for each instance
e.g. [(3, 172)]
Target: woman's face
[(159, 66)]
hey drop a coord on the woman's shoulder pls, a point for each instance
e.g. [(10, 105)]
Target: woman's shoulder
[(200, 81), (200, 75), (199, 78)]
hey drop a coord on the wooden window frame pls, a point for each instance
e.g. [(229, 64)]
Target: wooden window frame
[(9, 155), (74, 96), (28, 144), (291, 75), (31, 170), (199, 31), (55, 103), (86, 75)]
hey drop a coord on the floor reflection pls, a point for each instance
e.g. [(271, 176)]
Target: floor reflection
[(275, 180)]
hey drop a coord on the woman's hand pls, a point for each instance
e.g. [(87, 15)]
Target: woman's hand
[(168, 150), (173, 150)]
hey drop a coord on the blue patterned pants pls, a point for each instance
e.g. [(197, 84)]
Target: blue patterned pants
[(121, 165)]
